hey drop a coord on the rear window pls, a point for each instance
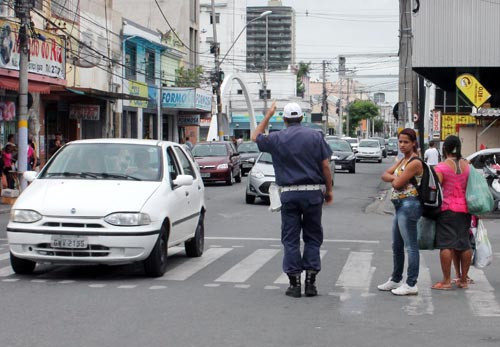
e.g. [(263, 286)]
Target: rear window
[(210, 150), (250, 147), (341, 146), (366, 143)]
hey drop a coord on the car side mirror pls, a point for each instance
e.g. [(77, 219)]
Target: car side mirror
[(183, 180), (251, 160), (30, 175)]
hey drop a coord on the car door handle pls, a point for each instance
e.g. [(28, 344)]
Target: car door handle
[(187, 193)]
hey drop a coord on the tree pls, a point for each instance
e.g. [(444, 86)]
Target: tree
[(359, 110), (188, 77), (379, 126), (304, 69)]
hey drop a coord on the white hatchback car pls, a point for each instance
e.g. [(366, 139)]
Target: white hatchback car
[(369, 150), (109, 201)]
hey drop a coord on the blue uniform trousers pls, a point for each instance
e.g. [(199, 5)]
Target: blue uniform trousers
[(301, 211)]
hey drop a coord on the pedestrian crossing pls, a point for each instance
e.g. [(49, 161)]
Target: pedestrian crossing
[(348, 273)]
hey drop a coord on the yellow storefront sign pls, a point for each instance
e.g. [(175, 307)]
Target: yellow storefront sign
[(472, 89), (138, 89), (449, 123)]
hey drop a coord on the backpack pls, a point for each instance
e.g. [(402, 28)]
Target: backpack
[(429, 190)]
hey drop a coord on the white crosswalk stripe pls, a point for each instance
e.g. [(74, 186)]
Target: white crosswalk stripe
[(193, 265), (480, 295), (6, 271), (422, 303), (4, 256), (283, 279), (248, 266)]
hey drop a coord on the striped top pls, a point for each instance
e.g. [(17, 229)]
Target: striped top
[(454, 186), (409, 190)]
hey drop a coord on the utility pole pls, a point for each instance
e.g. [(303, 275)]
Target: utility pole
[(405, 65), (341, 106), (23, 8), (325, 101), (218, 80), (264, 83), (347, 102)]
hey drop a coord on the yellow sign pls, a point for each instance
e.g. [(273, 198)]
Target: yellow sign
[(473, 90), (451, 122), (138, 89)]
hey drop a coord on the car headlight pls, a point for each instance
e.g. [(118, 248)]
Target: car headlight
[(222, 166), (24, 216), (335, 157), (351, 157), (128, 219), (257, 174)]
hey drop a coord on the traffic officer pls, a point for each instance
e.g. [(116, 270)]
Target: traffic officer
[(301, 160)]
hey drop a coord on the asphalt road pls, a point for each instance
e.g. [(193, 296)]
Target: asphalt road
[(234, 294)]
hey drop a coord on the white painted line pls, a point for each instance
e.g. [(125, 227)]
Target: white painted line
[(356, 277), (128, 286), (237, 246), (243, 286), (66, 282), (283, 278), (276, 239), (3, 239), (272, 287), (38, 281), (344, 249), (157, 287), (6, 271), (97, 285), (212, 285), (11, 280), (214, 246), (248, 266), (174, 250), (193, 265), (4, 256), (481, 295), (422, 303), (277, 246)]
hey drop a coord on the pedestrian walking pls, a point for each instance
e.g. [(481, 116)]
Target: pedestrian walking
[(404, 176), (301, 160), (454, 221), (431, 155)]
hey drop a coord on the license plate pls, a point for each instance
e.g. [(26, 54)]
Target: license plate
[(205, 174), (338, 167), (69, 242)]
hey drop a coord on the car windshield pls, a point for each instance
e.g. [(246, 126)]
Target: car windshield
[(210, 150), (340, 146), (250, 147), (352, 140), (380, 141), (371, 144), (105, 161), (265, 158), (392, 141)]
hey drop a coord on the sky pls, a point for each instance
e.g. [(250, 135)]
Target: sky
[(326, 29)]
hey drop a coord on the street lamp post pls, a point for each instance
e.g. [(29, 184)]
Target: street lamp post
[(217, 83)]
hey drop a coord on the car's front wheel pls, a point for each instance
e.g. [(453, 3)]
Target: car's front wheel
[(353, 169), (155, 264), (238, 177), (249, 199), (21, 266), (380, 160), (229, 180), (195, 246)]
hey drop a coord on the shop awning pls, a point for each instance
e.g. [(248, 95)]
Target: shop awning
[(487, 113), (96, 93), (33, 87)]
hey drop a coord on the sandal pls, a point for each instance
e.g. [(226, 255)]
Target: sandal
[(469, 280), (441, 286), (462, 285)]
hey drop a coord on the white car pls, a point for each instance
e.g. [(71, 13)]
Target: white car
[(369, 150), (353, 142), (109, 201)]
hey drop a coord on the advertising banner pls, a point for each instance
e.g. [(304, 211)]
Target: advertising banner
[(138, 89), (84, 112), (46, 58), (472, 89), (186, 98), (188, 119), (451, 122)]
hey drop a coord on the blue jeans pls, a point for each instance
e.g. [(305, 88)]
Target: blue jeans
[(404, 235)]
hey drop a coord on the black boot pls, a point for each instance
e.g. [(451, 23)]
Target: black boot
[(310, 286), (295, 289)]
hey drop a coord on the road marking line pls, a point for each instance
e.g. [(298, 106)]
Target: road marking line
[(174, 250), (272, 287), (481, 295), (38, 281), (97, 285), (128, 286), (276, 239), (6, 271), (157, 287), (238, 246), (243, 286), (193, 265), (248, 266), (4, 256), (66, 282), (11, 280), (283, 278), (212, 285), (422, 303)]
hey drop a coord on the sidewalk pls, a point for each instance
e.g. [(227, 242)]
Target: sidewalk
[(5, 208)]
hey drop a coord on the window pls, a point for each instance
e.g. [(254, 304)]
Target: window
[(150, 65), (39, 4), (261, 94), (130, 60), (186, 165), (66, 9), (173, 166), (217, 18), (239, 92)]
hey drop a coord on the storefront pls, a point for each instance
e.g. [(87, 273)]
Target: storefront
[(140, 117)]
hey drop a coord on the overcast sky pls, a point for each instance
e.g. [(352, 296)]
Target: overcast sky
[(326, 29)]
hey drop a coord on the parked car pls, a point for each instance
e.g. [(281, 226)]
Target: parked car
[(109, 201), (392, 146), (218, 161), (369, 150), (343, 155), (249, 151), (382, 145), (353, 142), (262, 175), (484, 157)]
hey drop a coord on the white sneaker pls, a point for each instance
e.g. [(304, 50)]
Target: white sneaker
[(405, 289), (389, 285)]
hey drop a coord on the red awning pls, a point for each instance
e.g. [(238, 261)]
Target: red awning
[(33, 87)]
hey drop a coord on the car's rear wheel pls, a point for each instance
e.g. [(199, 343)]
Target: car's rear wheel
[(353, 169), (195, 246), (155, 264), (380, 160), (238, 177), (22, 266), (229, 181), (249, 199), (358, 160)]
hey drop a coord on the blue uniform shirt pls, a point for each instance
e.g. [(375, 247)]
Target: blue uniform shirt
[(297, 154)]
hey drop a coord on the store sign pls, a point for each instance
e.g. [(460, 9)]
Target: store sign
[(138, 89), (245, 118), (46, 58), (450, 123), (188, 119), (84, 112), (186, 98), (472, 89)]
